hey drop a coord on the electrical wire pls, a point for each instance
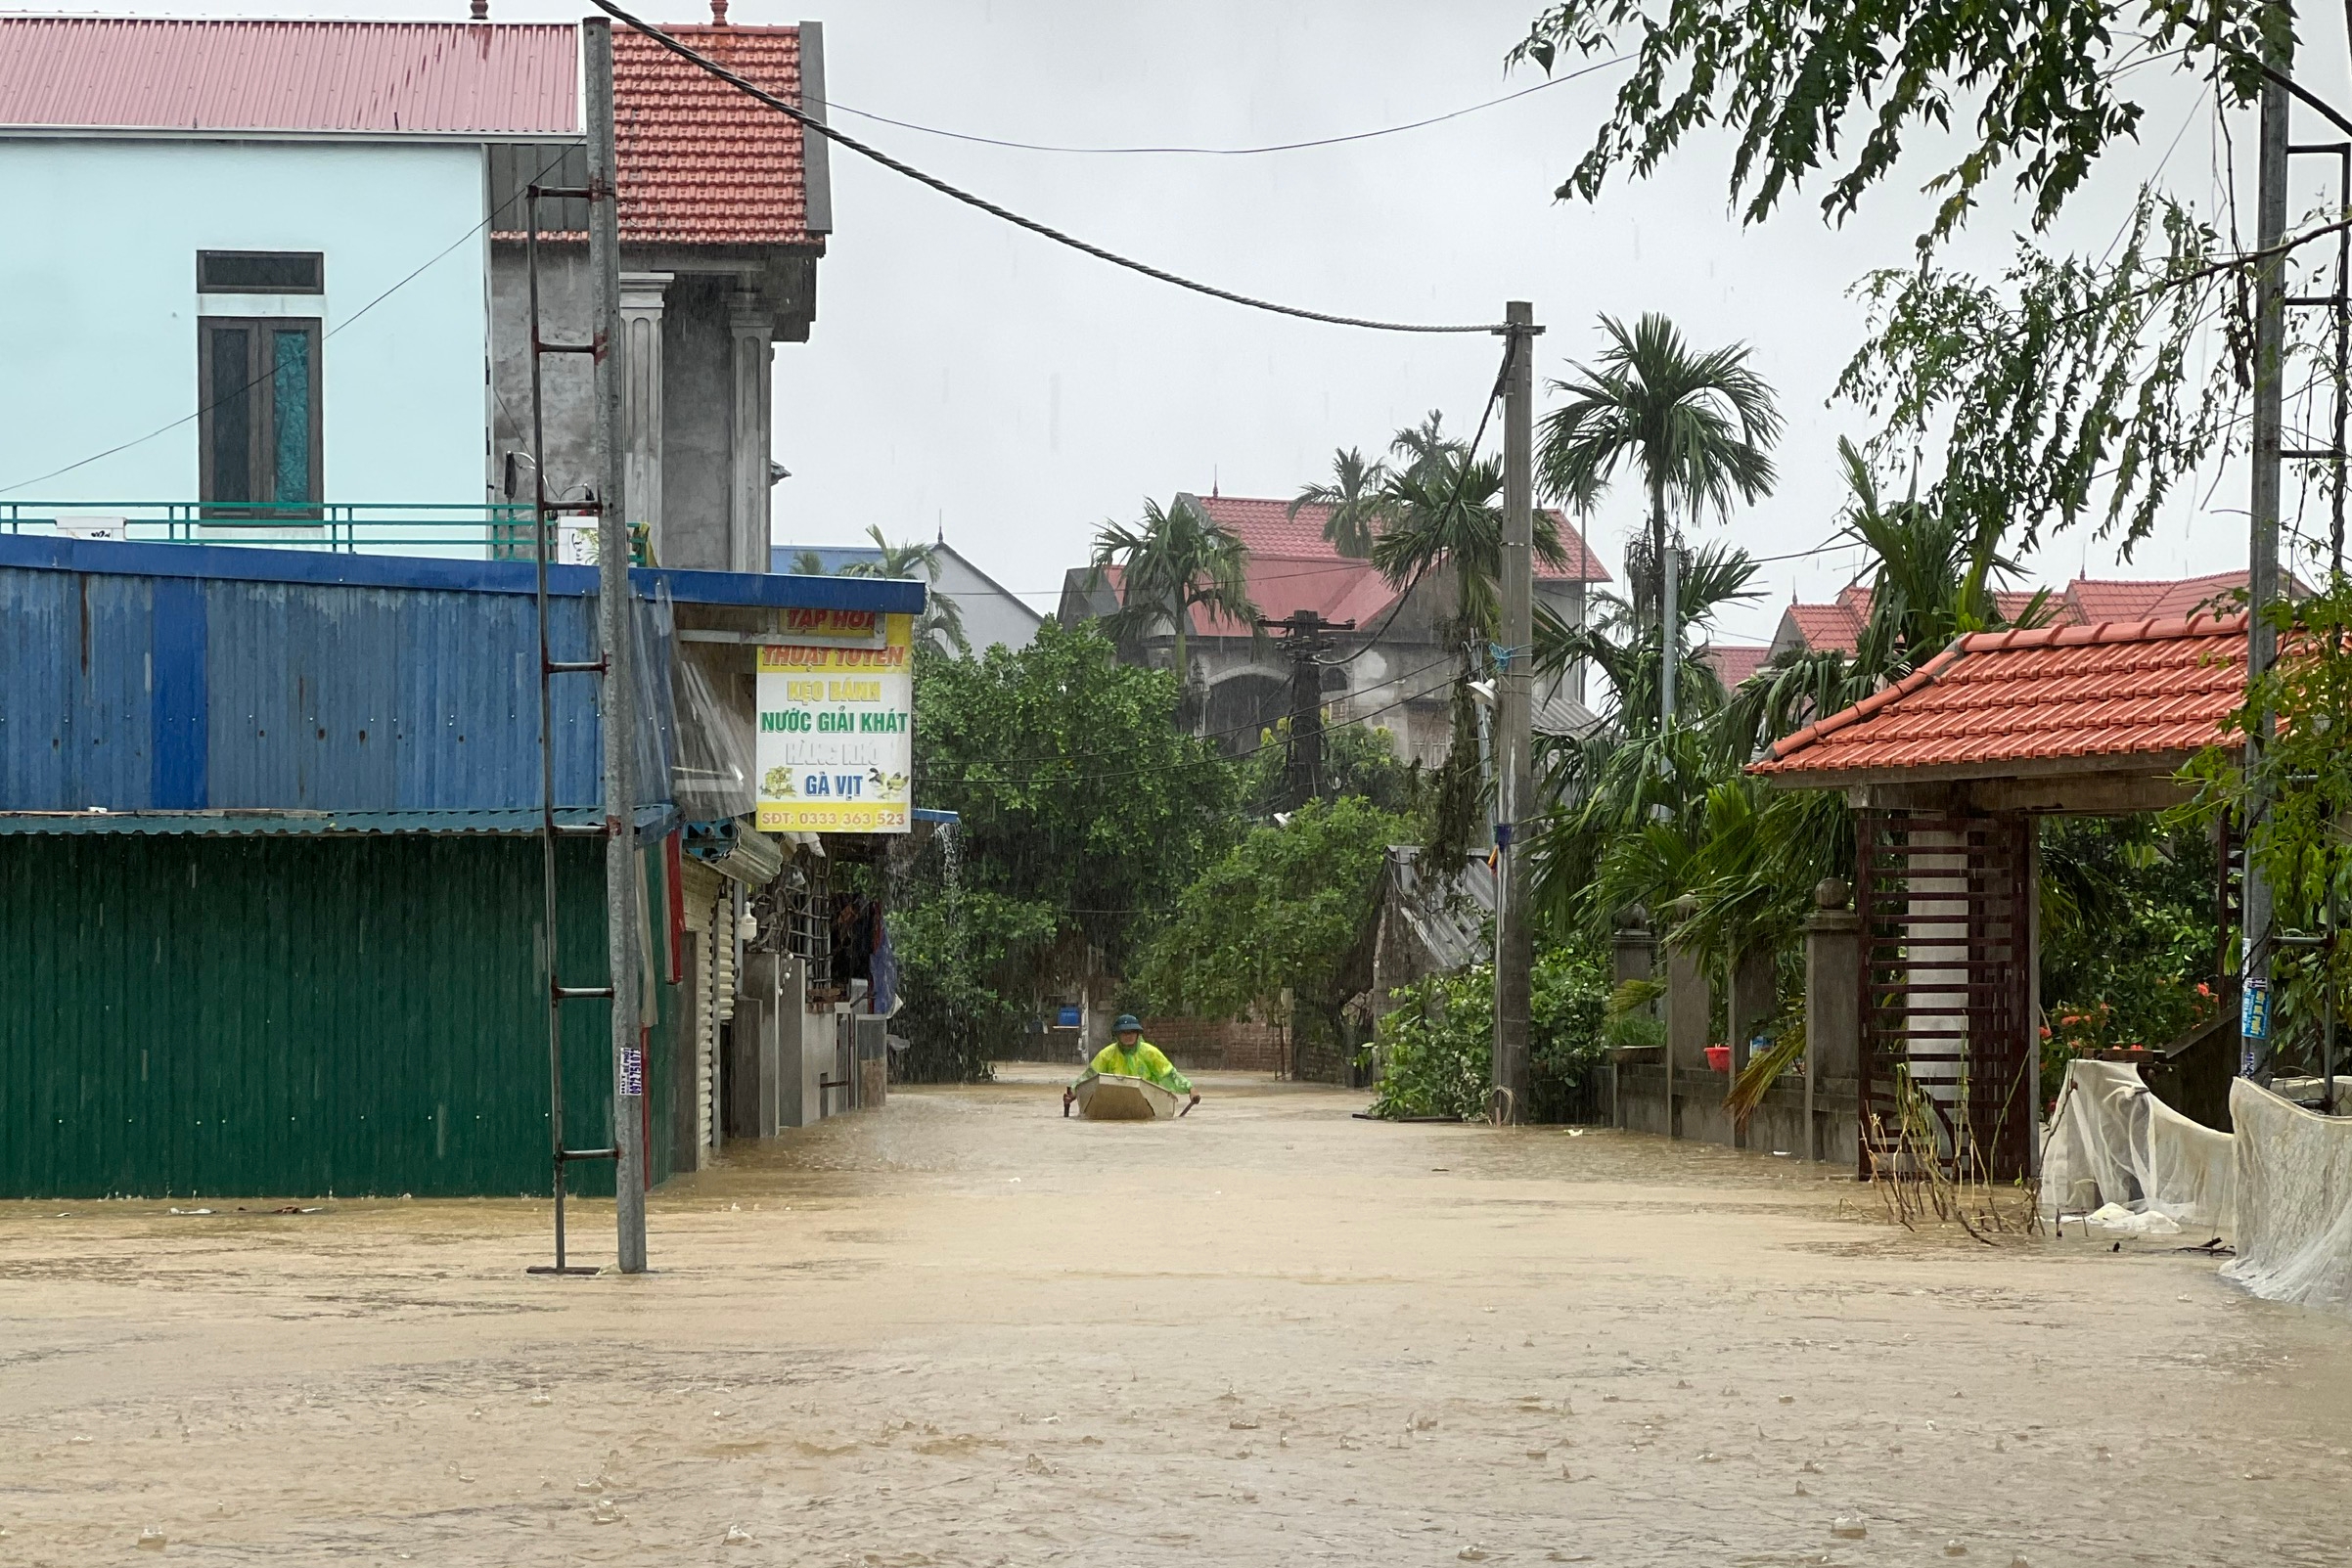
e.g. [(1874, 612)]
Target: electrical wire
[(841, 138), (1225, 152), (203, 409)]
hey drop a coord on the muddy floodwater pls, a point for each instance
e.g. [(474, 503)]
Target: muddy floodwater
[(961, 1329)]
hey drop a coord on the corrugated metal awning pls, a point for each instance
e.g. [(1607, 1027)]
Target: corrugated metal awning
[(652, 821)]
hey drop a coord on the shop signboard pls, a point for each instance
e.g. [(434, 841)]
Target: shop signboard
[(836, 723)]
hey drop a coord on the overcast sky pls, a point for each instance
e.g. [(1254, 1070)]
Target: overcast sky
[(966, 375)]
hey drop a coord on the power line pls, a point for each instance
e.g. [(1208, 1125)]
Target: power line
[(1225, 152), (840, 138)]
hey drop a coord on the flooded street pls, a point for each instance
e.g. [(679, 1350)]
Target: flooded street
[(964, 1330)]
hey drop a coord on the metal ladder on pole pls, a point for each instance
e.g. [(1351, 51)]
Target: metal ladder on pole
[(544, 512), (2338, 303)]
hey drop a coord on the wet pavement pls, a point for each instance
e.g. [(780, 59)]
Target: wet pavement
[(962, 1331)]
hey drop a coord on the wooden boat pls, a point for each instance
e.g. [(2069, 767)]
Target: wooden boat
[(1116, 1098)]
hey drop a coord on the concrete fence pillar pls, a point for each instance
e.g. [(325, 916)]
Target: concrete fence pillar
[(1633, 956), (1749, 1008), (1833, 1002), (1689, 999)]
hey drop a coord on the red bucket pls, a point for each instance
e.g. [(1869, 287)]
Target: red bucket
[(1719, 1058)]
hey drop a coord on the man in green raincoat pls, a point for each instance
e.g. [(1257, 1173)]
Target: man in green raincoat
[(1130, 1055)]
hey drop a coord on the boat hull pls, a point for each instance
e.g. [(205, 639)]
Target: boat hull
[(1116, 1098)]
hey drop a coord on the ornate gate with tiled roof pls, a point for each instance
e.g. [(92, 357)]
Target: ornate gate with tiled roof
[(1948, 1042)]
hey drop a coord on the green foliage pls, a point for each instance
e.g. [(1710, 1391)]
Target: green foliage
[(2064, 379), (1355, 494), (1694, 428), (964, 962), (1081, 802), (1440, 509), (942, 618), (1358, 759), (1799, 81), (1436, 1048), (2293, 804), (1176, 560), (2128, 945), (1287, 908)]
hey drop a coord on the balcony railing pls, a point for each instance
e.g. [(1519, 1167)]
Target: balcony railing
[(473, 531)]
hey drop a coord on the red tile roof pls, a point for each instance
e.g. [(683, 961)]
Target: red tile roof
[(1732, 665), (2109, 599), (328, 77), (699, 162), (2149, 688), (1266, 527), (1825, 626)]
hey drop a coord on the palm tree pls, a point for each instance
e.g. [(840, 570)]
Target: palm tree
[(1356, 499), (1442, 509), (1934, 581), (1696, 427), (808, 563), (1175, 560), (942, 616)]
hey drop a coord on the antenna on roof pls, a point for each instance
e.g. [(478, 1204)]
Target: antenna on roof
[(1213, 482), (941, 537)]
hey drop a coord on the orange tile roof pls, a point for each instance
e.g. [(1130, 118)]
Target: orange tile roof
[(2145, 688), (699, 162)]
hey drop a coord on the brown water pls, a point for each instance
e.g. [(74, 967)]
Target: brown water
[(962, 1331)]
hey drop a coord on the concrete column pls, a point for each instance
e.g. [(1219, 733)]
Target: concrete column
[(1688, 1001), (753, 329), (642, 296), (1749, 1008), (1633, 956), (1633, 951), (1833, 1002)]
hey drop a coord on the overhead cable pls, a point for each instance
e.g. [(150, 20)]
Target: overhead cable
[(839, 138), (1223, 151)]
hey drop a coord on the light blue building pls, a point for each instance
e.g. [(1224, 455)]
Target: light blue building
[(266, 279)]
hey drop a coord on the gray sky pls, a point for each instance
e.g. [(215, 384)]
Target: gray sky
[(967, 375)]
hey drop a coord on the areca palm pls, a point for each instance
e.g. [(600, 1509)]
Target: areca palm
[(1696, 427), (1441, 510), (941, 615), (1175, 560), (1935, 579), (1356, 496)]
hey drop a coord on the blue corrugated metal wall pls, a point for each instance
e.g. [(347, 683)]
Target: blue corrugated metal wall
[(177, 693)]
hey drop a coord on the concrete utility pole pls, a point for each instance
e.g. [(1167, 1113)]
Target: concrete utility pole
[(2262, 581), (615, 625), (1515, 948), (1670, 564), (1305, 639)]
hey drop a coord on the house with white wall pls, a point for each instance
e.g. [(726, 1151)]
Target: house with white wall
[(267, 279)]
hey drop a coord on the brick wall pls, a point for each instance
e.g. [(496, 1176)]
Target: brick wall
[(1217, 1043)]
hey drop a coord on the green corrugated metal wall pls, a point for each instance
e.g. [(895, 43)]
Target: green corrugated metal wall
[(185, 1016)]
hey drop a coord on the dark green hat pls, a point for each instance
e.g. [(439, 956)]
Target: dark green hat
[(1127, 1021)]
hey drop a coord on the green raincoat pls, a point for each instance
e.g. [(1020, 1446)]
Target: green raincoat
[(1144, 1061)]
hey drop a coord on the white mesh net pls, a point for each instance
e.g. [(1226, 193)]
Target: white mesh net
[(2294, 1199), (2123, 1160)]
